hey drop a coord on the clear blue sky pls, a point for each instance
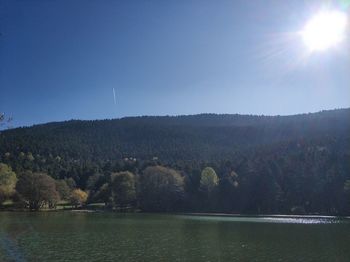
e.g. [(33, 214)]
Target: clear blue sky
[(61, 59)]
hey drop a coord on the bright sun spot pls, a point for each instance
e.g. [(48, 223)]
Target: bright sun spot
[(325, 30)]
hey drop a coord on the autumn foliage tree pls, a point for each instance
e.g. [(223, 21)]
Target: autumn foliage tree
[(37, 190), (78, 197), (8, 182), (209, 180), (207, 186)]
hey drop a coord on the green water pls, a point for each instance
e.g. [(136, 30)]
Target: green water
[(68, 236)]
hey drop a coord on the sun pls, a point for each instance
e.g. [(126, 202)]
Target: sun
[(325, 30)]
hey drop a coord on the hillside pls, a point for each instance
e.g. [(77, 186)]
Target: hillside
[(264, 163), (205, 137)]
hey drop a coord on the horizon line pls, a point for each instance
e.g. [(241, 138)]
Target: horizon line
[(180, 115)]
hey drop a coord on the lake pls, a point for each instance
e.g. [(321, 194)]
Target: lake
[(72, 236)]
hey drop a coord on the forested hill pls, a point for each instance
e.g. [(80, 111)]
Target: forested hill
[(198, 138), (259, 164)]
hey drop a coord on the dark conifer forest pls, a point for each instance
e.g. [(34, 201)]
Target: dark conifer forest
[(198, 163)]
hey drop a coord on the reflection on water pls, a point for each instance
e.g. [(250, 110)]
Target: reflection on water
[(69, 236), (269, 219)]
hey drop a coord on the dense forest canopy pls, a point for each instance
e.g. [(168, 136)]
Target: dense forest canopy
[(269, 164)]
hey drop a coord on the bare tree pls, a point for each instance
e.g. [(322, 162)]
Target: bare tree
[(4, 120)]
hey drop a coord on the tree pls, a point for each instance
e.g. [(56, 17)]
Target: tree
[(78, 197), (8, 182), (209, 180), (123, 188), (63, 189), (71, 183), (161, 189), (103, 194), (191, 185), (228, 191), (93, 184), (4, 120), (192, 180), (37, 190), (207, 187)]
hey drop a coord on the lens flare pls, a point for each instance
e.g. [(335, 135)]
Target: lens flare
[(325, 30), (345, 4)]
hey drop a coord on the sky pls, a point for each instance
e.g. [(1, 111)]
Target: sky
[(61, 59)]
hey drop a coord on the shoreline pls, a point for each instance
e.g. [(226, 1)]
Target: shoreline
[(87, 210), (266, 215)]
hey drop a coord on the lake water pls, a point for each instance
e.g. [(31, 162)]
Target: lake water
[(69, 236)]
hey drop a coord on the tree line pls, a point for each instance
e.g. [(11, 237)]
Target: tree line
[(294, 164), (36, 191), (159, 189)]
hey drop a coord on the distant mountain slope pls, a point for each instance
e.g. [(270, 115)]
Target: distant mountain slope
[(202, 137), (265, 164)]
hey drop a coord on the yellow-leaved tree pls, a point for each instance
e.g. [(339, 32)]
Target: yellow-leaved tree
[(8, 180), (78, 197)]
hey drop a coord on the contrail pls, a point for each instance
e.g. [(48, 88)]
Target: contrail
[(115, 101)]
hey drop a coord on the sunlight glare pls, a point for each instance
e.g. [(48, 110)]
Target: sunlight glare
[(325, 30)]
